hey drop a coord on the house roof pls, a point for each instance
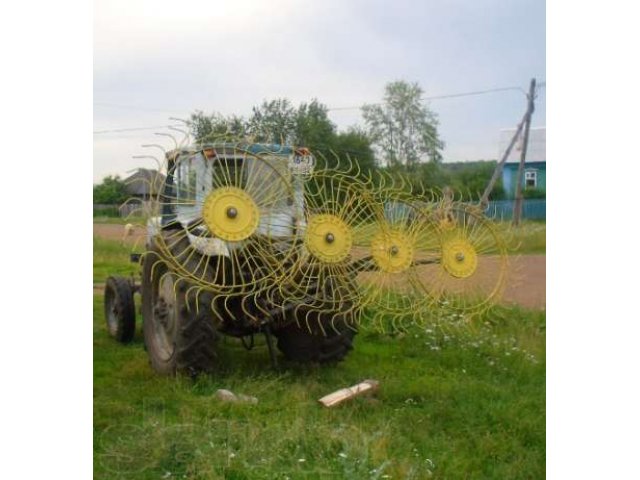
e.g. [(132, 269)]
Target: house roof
[(144, 182), (536, 149)]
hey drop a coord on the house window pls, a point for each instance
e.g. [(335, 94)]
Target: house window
[(530, 178)]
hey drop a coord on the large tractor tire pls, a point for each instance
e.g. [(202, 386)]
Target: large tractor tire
[(303, 344), (179, 335), (119, 309)]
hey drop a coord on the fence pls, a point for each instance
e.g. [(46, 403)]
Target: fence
[(532, 209), (124, 210)]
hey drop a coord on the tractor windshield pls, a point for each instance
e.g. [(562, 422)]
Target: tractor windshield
[(196, 175), (227, 172)]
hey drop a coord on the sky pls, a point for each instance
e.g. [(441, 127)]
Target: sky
[(157, 60)]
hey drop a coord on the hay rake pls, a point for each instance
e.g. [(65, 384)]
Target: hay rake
[(246, 238)]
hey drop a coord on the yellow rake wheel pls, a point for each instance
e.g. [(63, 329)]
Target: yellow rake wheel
[(398, 290), (473, 261), (322, 284), (230, 228)]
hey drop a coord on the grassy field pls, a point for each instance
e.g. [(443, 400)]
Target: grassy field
[(111, 258), (112, 220), (453, 404), (529, 238)]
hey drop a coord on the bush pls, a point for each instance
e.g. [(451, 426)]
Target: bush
[(110, 211), (534, 193), (112, 191)]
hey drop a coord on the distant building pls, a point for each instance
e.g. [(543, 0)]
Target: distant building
[(144, 184), (535, 167)]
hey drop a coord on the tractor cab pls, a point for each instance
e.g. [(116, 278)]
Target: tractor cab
[(227, 192)]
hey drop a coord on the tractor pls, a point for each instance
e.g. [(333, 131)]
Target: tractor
[(227, 253)]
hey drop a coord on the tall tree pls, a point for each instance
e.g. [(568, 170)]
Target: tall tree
[(355, 145), (209, 127), (403, 127), (307, 125), (273, 121), (313, 128)]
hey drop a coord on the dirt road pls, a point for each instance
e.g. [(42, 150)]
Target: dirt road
[(117, 232), (528, 282)]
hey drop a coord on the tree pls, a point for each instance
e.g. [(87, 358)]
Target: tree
[(308, 125), (403, 127), (209, 127), (273, 122), (313, 129), (355, 145), (467, 179), (112, 191)]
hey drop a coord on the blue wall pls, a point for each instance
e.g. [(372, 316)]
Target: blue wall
[(510, 172)]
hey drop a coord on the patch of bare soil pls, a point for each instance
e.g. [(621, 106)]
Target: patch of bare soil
[(119, 233), (519, 280)]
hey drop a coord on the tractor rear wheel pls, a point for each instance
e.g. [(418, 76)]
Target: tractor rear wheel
[(303, 344), (179, 334), (119, 309)]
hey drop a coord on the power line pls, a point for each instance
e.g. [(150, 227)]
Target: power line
[(118, 130), (438, 97), (133, 107), (433, 97)]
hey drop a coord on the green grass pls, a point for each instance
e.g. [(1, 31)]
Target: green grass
[(111, 220), (529, 238), (111, 258), (465, 405), (135, 220)]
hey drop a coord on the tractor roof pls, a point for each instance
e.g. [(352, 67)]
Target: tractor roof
[(254, 148)]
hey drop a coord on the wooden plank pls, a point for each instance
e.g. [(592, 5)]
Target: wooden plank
[(339, 396)]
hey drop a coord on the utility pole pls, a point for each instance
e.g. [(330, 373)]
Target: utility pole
[(484, 200), (517, 205)]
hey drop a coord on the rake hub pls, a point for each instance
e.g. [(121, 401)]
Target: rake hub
[(392, 251), (230, 213), (459, 258), (328, 238)]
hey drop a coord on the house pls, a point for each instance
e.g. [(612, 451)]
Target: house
[(144, 184), (535, 167)]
